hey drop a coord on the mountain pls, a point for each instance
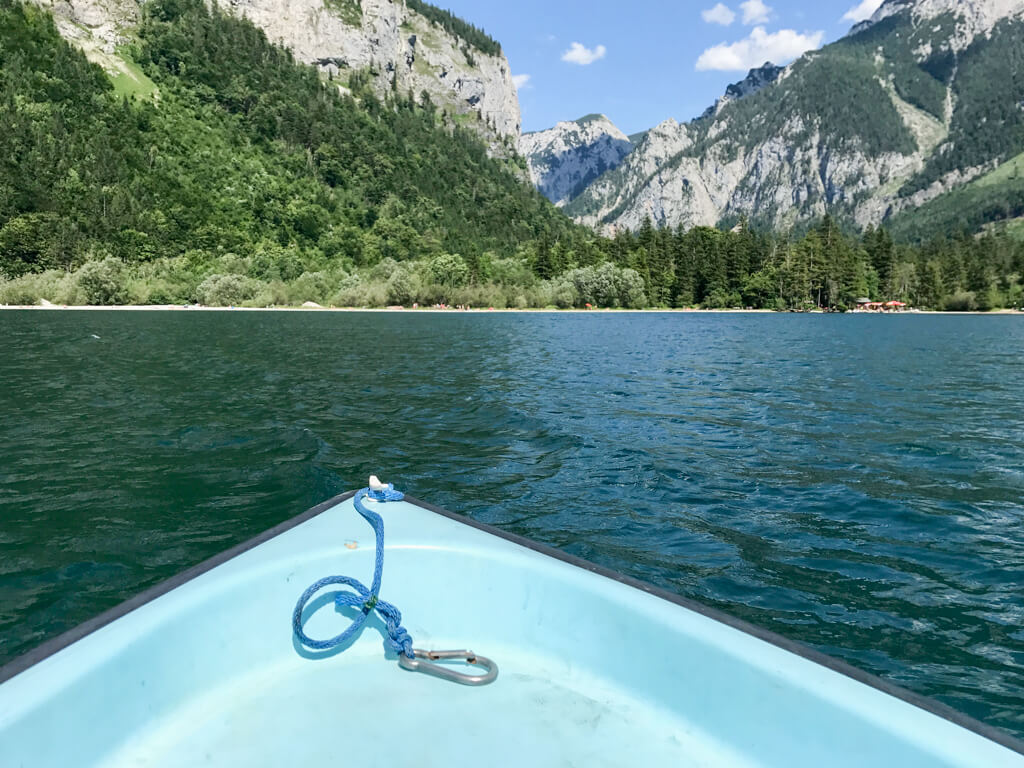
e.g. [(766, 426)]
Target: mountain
[(563, 160), (206, 164), (232, 158), (887, 124), (755, 80), (406, 45)]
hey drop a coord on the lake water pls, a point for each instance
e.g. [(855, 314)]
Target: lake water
[(853, 482)]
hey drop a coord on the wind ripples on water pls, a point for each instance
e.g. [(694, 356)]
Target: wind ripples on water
[(851, 482)]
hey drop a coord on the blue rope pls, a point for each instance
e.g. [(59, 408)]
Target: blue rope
[(366, 600)]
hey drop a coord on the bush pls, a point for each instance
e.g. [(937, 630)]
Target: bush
[(605, 286), (631, 289), (274, 262), (961, 301), (722, 300), (486, 295), (512, 272), (401, 287), (272, 294), (449, 270), (310, 286), (356, 292), (383, 269), (53, 285), (563, 293), (103, 282), (989, 299), (155, 291), (232, 264), (225, 290)]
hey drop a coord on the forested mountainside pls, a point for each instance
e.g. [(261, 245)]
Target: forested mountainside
[(409, 45), (906, 121), (229, 145), (215, 168)]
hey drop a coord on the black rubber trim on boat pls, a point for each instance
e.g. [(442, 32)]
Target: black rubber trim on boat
[(62, 641), (51, 647)]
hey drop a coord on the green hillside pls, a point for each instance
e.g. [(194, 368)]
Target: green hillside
[(988, 120), (244, 152), (995, 197)]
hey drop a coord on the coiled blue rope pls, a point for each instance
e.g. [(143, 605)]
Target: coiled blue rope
[(366, 600)]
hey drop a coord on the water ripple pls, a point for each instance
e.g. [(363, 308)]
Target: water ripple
[(851, 482)]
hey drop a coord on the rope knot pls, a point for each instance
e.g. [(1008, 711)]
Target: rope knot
[(370, 604), (401, 642)]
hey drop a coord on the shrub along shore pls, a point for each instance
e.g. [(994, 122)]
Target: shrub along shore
[(228, 283), (444, 280)]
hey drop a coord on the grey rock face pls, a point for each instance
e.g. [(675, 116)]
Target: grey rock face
[(563, 160), (397, 43), (974, 17), (723, 165), (755, 80)]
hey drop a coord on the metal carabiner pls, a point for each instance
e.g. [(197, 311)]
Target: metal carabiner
[(447, 673)]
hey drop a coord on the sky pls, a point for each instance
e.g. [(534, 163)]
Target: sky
[(643, 61)]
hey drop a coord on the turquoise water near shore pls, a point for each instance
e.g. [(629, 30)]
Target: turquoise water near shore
[(853, 482)]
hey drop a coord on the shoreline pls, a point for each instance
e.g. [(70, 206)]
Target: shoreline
[(451, 310)]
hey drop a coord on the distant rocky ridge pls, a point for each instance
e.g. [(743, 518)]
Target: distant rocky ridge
[(919, 101), (340, 37), (563, 160), (755, 80)]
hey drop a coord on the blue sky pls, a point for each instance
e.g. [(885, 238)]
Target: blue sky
[(642, 61)]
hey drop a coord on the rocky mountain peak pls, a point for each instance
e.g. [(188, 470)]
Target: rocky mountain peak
[(756, 79), (974, 17), (567, 157)]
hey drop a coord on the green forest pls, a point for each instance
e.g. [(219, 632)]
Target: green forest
[(232, 175)]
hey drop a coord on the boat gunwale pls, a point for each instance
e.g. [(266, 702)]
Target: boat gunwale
[(937, 708)]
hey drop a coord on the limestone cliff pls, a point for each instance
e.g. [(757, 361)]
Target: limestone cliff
[(342, 36), (563, 160), (911, 105)]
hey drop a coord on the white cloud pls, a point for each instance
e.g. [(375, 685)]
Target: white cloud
[(753, 51), (755, 12), (720, 14), (862, 11), (580, 54), (520, 81)]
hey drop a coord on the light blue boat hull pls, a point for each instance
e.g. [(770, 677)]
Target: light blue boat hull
[(595, 670)]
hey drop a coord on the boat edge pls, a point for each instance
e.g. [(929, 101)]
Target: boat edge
[(937, 708), (30, 658), (944, 711)]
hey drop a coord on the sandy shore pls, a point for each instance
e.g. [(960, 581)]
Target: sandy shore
[(452, 310), (431, 310)]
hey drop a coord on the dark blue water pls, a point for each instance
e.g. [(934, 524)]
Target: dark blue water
[(853, 482)]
